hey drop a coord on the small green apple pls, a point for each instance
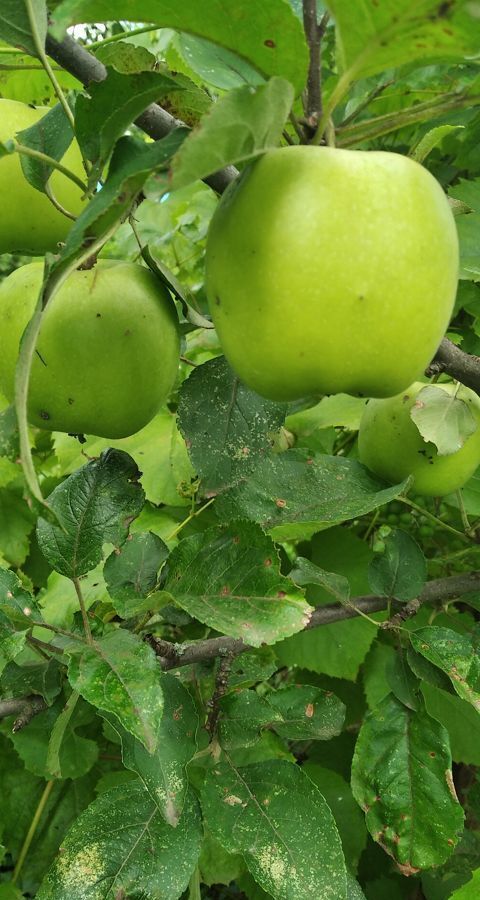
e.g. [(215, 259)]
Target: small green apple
[(390, 444), (331, 270), (28, 220), (108, 350)]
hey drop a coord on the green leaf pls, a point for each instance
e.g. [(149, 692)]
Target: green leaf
[(305, 572), (229, 578), (468, 227), (215, 65), (227, 426), (252, 667), (432, 139), (121, 846), (339, 410), (131, 572), (293, 495), (401, 772), (119, 673), (164, 772), (267, 34), (470, 890), (158, 449), (443, 419), (307, 713), (110, 107), (16, 27), (340, 648), (455, 654), (17, 520), (51, 747), (11, 642), (461, 721), (292, 849), (52, 135), (243, 716), (9, 441), (401, 570), (126, 57), (348, 817), (44, 679), (240, 126), (375, 36), (94, 506), (216, 865), (17, 604), (354, 891)]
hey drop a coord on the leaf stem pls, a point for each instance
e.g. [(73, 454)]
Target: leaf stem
[(121, 36), (83, 608), (189, 519), (429, 515), (40, 48), (50, 161), (194, 892), (31, 831)]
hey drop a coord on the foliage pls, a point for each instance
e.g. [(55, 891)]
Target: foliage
[(318, 733)]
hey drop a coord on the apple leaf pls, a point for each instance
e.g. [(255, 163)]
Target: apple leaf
[(354, 891), (470, 890), (215, 65), (374, 36), (305, 572), (459, 718), (52, 746), (432, 139), (401, 771), (242, 124), (16, 27), (110, 107), (443, 419), (131, 571), (226, 425), (52, 135), (229, 578), (294, 494), (94, 506), (16, 603), (267, 34), (11, 642), (120, 846), (401, 570), (119, 673), (455, 654), (292, 849), (164, 771), (468, 227)]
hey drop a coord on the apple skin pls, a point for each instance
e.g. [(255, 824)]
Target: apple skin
[(108, 350), (390, 444), (331, 270), (28, 220)]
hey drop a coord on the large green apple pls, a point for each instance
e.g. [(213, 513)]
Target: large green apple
[(28, 220), (390, 444), (331, 270), (108, 350)]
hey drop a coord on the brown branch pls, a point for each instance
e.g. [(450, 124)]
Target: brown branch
[(173, 656), (313, 33), (221, 684), (455, 362), (154, 121), (24, 708)]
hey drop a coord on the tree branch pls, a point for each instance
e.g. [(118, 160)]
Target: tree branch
[(455, 362), (313, 33), (25, 708), (221, 684), (154, 121), (173, 656)]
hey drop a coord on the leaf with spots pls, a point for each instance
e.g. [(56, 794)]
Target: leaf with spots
[(164, 771), (131, 572), (444, 419), (293, 495), (401, 570), (402, 779), (267, 34), (119, 673), (455, 654), (93, 506), (229, 578), (11, 642), (16, 603), (122, 847), (292, 849), (226, 425), (381, 34), (240, 126)]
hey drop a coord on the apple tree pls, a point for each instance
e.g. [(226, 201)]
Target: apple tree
[(239, 449)]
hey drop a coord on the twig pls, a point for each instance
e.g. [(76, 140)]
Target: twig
[(366, 102), (455, 362), (24, 708), (155, 121), (221, 684), (410, 609), (313, 34), (437, 590)]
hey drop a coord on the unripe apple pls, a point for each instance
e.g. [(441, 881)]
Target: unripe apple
[(331, 270), (29, 222), (390, 444), (108, 350)]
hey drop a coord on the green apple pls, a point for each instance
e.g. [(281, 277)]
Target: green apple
[(331, 270), (390, 444), (108, 350), (29, 222)]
